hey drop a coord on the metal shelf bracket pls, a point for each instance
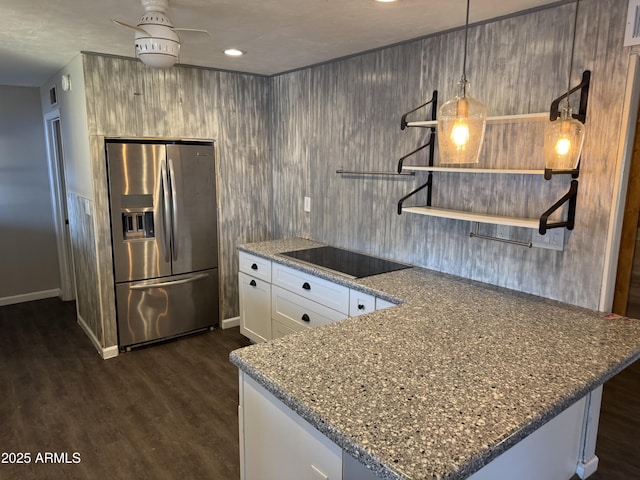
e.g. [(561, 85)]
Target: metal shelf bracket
[(583, 86), (410, 194), (569, 223), (431, 143)]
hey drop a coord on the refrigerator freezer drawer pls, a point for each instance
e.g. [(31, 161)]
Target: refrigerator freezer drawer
[(165, 307)]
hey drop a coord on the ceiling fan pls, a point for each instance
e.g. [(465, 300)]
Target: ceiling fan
[(156, 42)]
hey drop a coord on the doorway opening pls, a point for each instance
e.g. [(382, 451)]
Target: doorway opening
[(59, 200)]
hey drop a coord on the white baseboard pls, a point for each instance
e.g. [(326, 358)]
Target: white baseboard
[(230, 322), (110, 352), (588, 468), (105, 353), (28, 297)]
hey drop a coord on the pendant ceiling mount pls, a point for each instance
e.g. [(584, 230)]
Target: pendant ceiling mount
[(461, 120), (156, 41)]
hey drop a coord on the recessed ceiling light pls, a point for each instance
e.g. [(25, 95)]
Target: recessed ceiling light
[(234, 52), (386, 1)]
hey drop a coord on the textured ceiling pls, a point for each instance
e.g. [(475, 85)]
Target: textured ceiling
[(38, 37)]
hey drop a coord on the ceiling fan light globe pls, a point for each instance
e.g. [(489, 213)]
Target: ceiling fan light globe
[(159, 48)]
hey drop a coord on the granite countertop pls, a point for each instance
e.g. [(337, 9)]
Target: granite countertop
[(438, 386)]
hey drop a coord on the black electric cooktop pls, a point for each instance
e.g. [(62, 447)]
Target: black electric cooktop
[(353, 264)]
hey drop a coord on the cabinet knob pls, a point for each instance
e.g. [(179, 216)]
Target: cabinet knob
[(254, 267), (306, 286), (305, 318), (360, 306), (252, 283)]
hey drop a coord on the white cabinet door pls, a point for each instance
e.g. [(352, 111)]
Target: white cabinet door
[(277, 444), (255, 308)]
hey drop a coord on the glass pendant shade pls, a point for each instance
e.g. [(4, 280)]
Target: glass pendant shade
[(563, 139), (461, 125)]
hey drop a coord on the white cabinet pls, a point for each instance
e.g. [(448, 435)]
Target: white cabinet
[(276, 444), (298, 312), (277, 300), (254, 282), (255, 308)]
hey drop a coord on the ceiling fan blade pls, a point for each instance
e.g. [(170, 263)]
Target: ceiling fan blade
[(195, 30), (132, 27)]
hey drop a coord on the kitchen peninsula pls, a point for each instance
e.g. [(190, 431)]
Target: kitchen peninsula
[(441, 385)]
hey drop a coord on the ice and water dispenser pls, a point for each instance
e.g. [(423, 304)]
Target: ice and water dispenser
[(137, 217)]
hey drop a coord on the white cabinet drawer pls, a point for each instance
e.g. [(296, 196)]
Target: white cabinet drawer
[(309, 286), (255, 266), (360, 303), (279, 329), (382, 304), (295, 311)]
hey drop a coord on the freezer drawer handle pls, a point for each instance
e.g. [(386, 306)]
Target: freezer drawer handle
[(182, 281), (305, 318), (306, 286), (252, 283), (254, 267)]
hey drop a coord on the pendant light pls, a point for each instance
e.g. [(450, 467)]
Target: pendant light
[(563, 137), (461, 120)]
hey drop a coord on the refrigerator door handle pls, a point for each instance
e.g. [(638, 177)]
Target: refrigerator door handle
[(182, 281), (166, 223), (174, 213)]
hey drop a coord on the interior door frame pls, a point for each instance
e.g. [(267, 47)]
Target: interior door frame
[(621, 182), (58, 201)]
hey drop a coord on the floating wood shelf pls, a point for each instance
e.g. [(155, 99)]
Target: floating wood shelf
[(501, 119), (533, 223), (542, 224), (502, 171)]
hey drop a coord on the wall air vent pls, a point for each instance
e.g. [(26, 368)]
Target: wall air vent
[(632, 30), (53, 96)]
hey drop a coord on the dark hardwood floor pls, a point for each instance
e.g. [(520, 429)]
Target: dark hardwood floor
[(170, 411), (163, 412)]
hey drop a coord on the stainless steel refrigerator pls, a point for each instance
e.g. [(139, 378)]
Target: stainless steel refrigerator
[(165, 242)]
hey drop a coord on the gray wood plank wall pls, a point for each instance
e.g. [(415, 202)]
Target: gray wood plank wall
[(282, 138), (125, 98), (347, 114), (83, 239)]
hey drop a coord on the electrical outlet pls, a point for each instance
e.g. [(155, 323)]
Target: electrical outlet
[(307, 204), (503, 231), (552, 240)]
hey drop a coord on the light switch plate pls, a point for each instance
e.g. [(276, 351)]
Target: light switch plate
[(552, 240), (503, 232), (632, 30), (307, 204)]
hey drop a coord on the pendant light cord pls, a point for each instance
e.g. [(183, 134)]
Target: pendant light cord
[(466, 35), (573, 46)]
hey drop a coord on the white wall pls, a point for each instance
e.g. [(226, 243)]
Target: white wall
[(73, 125), (28, 252)]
